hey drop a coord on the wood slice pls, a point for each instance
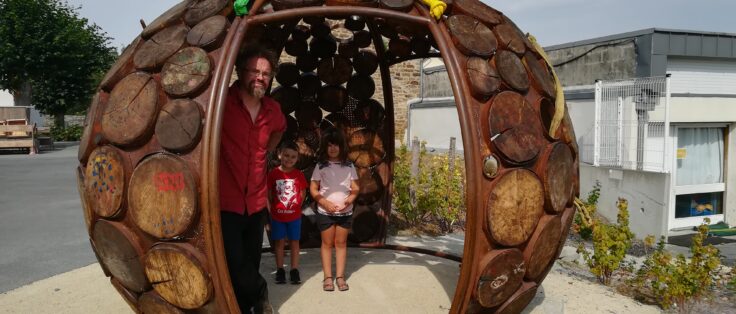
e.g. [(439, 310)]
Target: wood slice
[(365, 224), (540, 251), (307, 62), (542, 79), (399, 46), (292, 127), (121, 67), (163, 196), (97, 256), (177, 275), (323, 47), (320, 29), (288, 74), (308, 115), (371, 188), (566, 220), (365, 62), (86, 207), (546, 114), (420, 45), (287, 97), (370, 113), (514, 207), (209, 33), (120, 252), (131, 110), (514, 127), (335, 70), (410, 29), (130, 297), (186, 72), (365, 148), (334, 120), (470, 36), (362, 38), (307, 143), (477, 9), (296, 47), (397, 5), (204, 9), (151, 302), (87, 142), (385, 29), (510, 38), (153, 53), (105, 181), (502, 275), (314, 19), (556, 171), (512, 70), (355, 23), (332, 98), (309, 85), (300, 32), (168, 18), (348, 49), (361, 87), (519, 300), (179, 125), (279, 5), (484, 80)]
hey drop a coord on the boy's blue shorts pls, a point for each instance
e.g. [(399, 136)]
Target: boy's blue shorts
[(291, 230)]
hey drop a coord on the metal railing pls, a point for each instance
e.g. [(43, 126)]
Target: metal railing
[(632, 124)]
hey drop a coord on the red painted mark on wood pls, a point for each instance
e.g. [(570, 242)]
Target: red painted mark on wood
[(169, 181)]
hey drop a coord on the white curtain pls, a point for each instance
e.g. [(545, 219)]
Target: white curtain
[(703, 160)]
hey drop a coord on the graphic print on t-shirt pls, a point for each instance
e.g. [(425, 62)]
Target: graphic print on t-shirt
[(286, 192)]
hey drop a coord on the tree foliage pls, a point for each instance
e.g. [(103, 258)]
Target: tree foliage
[(46, 44)]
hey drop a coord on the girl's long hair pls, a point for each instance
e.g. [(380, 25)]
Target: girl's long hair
[(335, 137)]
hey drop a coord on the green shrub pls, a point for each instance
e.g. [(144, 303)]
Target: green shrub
[(675, 280), (610, 243), (69, 133), (583, 221), (437, 196)]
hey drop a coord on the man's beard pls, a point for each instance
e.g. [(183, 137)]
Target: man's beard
[(257, 92)]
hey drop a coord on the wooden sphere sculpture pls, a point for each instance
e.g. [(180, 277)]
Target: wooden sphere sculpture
[(150, 149)]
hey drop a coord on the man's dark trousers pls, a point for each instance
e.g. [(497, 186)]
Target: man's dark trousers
[(243, 239)]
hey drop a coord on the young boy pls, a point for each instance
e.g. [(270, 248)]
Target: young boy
[(287, 189)]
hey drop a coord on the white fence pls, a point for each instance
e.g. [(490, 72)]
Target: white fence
[(632, 124)]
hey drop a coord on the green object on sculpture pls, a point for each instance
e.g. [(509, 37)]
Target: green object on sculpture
[(241, 7)]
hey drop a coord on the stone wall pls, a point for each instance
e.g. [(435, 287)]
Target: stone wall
[(599, 61)]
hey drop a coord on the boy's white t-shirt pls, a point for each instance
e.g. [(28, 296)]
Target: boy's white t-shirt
[(335, 179)]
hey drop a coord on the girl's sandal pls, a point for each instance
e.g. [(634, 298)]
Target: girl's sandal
[(342, 285), (327, 284)]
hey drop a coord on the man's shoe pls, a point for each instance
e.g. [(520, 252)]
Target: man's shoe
[(294, 277), (280, 276)]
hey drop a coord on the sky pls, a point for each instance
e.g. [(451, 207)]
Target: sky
[(550, 21)]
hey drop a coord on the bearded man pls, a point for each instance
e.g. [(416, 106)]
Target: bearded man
[(252, 126)]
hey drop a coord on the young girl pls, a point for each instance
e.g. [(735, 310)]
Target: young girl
[(334, 188)]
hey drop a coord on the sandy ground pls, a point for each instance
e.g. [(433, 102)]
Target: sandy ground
[(380, 281)]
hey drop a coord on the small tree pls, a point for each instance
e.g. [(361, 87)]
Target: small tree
[(50, 57), (675, 280), (610, 243)]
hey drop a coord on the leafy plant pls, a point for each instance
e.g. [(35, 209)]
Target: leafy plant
[(583, 221), (675, 280), (433, 194), (610, 243), (70, 133)]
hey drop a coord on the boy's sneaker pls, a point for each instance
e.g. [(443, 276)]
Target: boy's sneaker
[(294, 277), (280, 276)]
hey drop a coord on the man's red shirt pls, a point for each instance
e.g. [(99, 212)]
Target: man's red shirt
[(243, 150)]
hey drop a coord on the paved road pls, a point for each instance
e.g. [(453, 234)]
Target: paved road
[(42, 231)]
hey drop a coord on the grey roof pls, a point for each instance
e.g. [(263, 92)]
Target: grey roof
[(636, 33)]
